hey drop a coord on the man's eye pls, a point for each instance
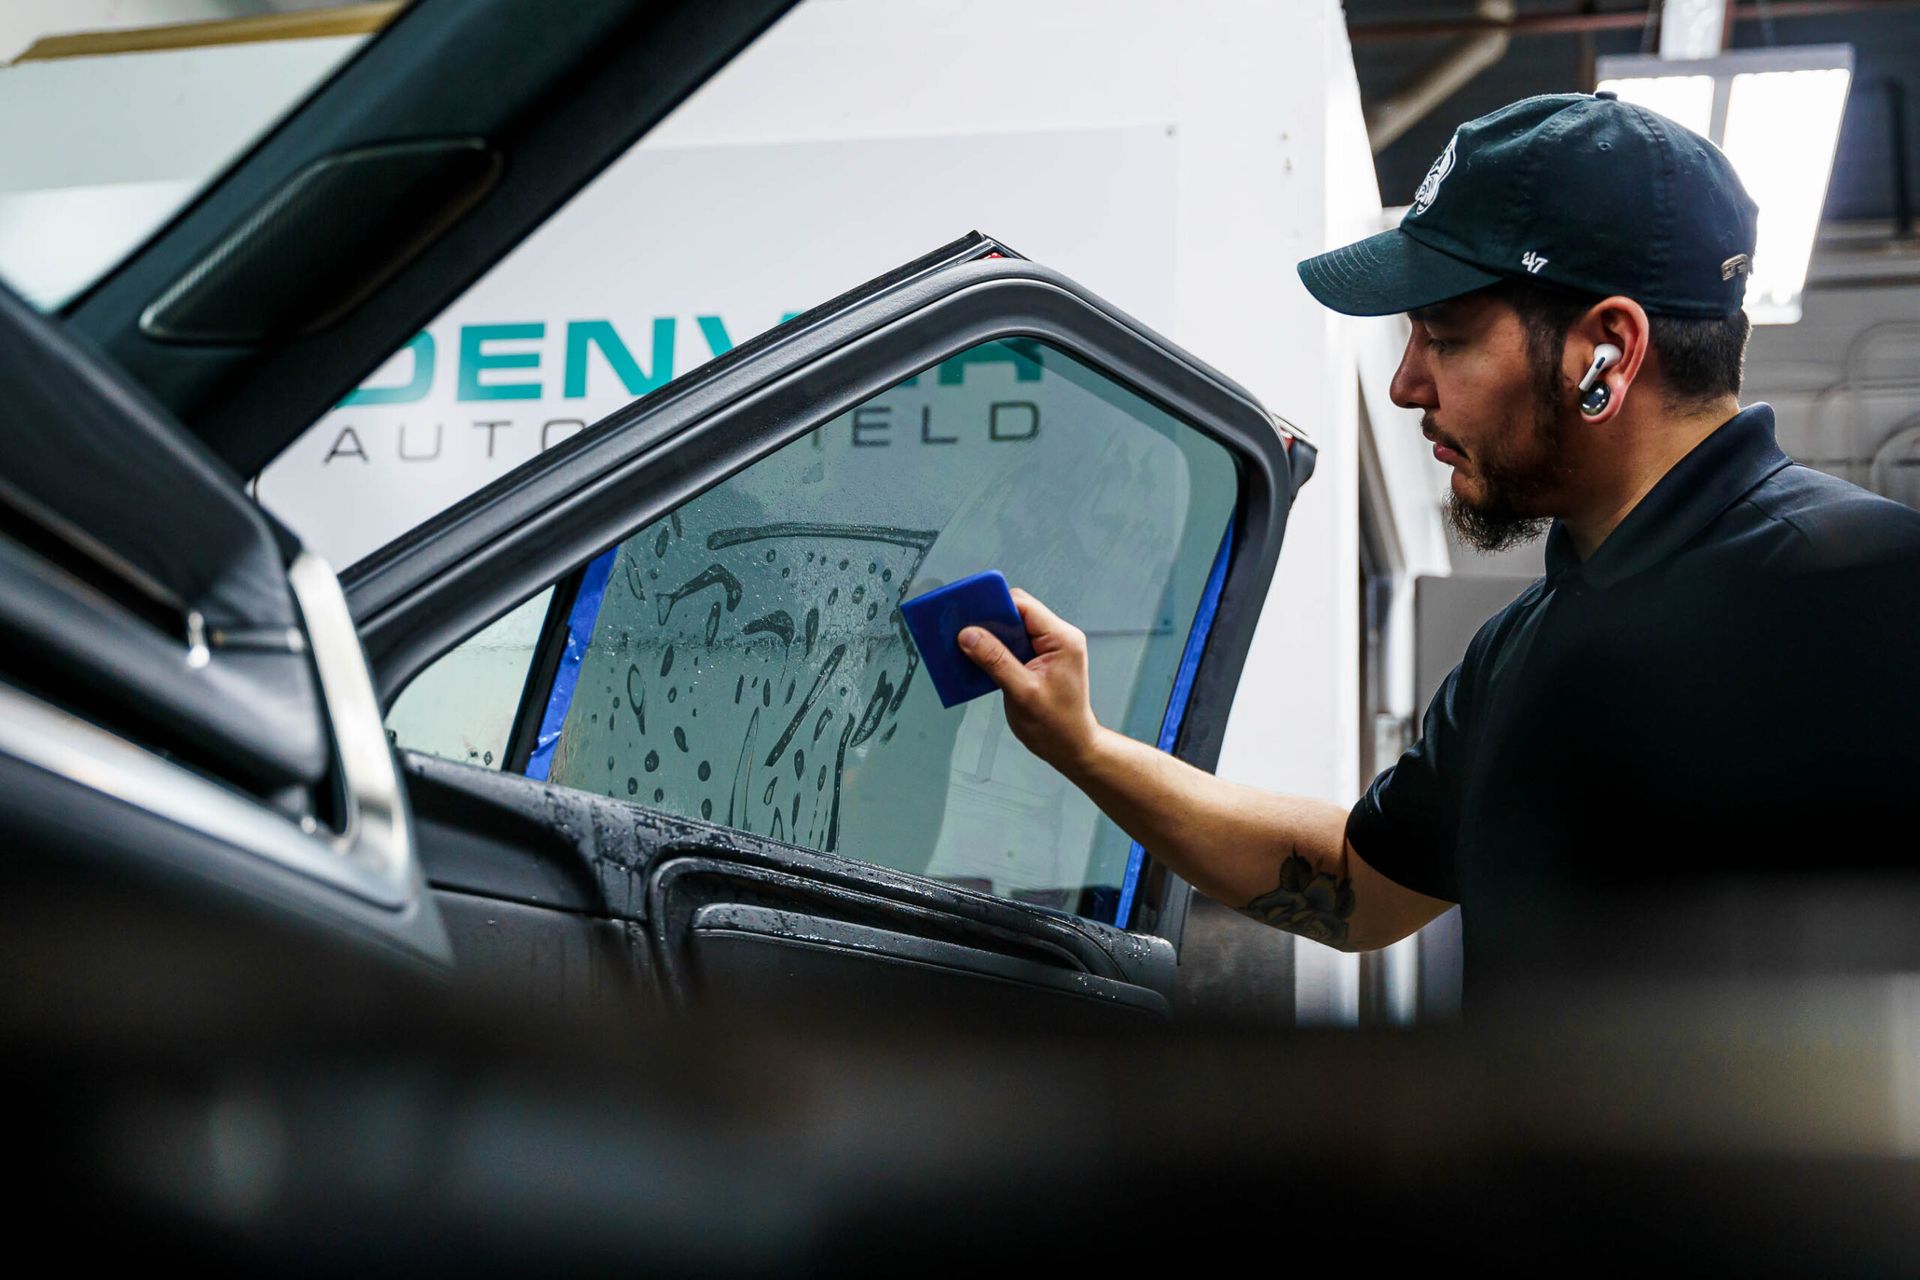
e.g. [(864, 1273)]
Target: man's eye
[(1442, 345)]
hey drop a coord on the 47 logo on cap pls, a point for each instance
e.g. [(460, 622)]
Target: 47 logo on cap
[(1532, 261), (1430, 185)]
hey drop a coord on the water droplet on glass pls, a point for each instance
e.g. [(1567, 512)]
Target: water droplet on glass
[(706, 771), (633, 785), (652, 761)]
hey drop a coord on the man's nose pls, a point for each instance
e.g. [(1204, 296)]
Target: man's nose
[(1411, 387)]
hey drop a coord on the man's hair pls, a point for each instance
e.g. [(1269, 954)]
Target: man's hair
[(1700, 359)]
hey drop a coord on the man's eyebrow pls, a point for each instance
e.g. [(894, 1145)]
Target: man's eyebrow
[(1433, 311)]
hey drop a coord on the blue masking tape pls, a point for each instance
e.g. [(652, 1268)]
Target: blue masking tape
[(1177, 703), (580, 620)]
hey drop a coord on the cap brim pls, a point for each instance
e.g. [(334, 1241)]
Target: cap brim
[(1389, 273)]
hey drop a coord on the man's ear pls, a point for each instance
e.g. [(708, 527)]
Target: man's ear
[(1621, 322)]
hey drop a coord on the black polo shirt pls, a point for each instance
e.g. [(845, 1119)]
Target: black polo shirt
[(1726, 693)]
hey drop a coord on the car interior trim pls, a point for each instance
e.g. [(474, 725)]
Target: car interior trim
[(60, 743), (556, 91)]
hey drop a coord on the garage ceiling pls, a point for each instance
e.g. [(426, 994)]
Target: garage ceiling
[(1865, 181)]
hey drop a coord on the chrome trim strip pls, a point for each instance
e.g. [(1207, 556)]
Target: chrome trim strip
[(260, 639), (377, 835)]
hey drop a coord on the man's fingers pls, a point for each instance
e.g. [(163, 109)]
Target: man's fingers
[(1045, 626), (993, 657)]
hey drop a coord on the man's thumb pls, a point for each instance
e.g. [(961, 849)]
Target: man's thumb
[(987, 651)]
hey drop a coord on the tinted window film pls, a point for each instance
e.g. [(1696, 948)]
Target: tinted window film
[(743, 660)]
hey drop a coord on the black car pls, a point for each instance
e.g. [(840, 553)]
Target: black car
[(701, 758)]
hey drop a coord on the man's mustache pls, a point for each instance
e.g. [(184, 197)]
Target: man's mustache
[(1438, 437)]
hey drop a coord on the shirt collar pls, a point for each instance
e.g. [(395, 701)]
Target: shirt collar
[(1738, 455)]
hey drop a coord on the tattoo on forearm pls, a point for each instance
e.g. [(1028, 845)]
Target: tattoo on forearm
[(1310, 903)]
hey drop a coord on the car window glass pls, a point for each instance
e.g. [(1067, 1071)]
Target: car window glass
[(130, 125), (462, 707), (745, 662)]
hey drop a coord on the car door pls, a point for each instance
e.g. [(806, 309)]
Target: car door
[(191, 762), (661, 723)]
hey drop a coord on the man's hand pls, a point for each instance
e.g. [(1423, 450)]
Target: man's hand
[(1047, 704)]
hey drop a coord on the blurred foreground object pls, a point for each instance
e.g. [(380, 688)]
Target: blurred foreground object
[(271, 1109)]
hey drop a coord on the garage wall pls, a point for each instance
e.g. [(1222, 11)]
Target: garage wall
[(1845, 381)]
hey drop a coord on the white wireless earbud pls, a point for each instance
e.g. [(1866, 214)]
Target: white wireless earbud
[(1594, 393), (1604, 356)]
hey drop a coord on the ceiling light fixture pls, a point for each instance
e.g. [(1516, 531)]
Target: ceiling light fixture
[(1776, 113)]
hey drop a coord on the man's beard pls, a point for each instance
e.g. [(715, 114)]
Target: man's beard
[(1514, 480)]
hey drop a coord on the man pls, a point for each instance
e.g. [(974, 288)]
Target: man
[(1677, 746)]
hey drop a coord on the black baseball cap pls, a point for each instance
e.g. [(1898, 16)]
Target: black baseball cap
[(1578, 190)]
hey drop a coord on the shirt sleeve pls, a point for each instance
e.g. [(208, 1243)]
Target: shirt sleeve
[(1407, 823)]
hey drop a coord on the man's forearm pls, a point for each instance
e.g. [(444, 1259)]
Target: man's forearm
[(1281, 858), (1284, 860)]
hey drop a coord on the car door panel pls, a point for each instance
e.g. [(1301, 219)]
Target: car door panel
[(739, 953), (519, 956), (722, 910), (556, 862)]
